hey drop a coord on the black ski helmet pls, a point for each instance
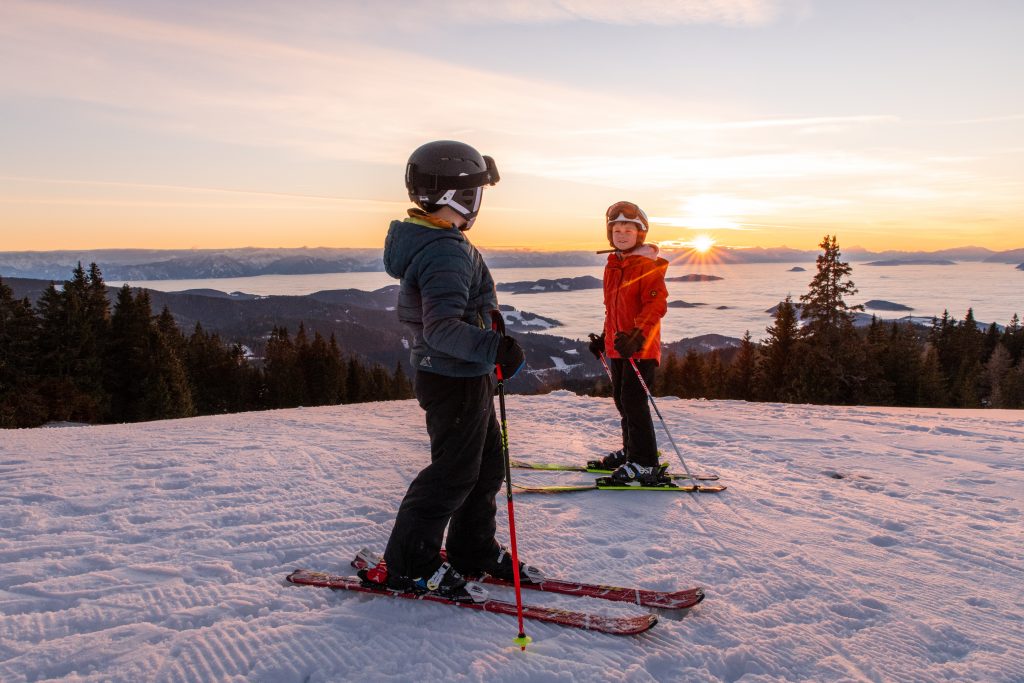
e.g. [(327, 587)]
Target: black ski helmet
[(449, 173)]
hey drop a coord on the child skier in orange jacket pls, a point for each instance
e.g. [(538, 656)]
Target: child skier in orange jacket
[(635, 301)]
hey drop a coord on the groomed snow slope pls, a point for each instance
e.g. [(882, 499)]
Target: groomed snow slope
[(853, 544)]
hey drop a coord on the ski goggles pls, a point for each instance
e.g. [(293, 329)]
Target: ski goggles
[(432, 182), (626, 212)]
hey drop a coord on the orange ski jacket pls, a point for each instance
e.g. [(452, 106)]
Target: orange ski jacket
[(635, 296)]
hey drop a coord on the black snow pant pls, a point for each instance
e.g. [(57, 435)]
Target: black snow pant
[(630, 398), (457, 489)]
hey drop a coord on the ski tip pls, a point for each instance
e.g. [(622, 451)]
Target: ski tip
[(296, 576), (652, 619)]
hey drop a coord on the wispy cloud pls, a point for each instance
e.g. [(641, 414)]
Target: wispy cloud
[(51, 192), (240, 88), (670, 170), (664, 12), (646, 125), (615, 12)]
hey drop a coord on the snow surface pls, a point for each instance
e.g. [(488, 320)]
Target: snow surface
[(853, 544)]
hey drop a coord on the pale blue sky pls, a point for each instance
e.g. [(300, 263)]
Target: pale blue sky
[(759, 122)]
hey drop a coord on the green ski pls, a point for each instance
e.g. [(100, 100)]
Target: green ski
[(552, 467), (699, 488)]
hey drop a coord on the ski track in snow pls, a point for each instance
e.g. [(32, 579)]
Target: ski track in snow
[(853, 544)]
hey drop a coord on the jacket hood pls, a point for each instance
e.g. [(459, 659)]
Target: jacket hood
[(406, 239)]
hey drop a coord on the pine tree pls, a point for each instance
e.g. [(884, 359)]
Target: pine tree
[(742, 374), (967, 372), (931, 387), (1011, 389), (691, 375), (714, 376), (1013, 339), (834, 354), (402, 386), (321, 367), (356, 381), (988, 345), (667, 380), (282, 372), (20, 402), (380, 381), (877, 388), (127, 359), (338, 368), (999, 365), (902, 364), (171, 396), (779, 364), (216, 374), (73, 328)]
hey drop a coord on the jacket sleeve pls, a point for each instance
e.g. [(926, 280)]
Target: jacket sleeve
[(653, 297), (488, 294), (444, 279)]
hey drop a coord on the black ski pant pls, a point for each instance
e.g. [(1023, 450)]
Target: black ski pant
[(630, 398), (457, 489)]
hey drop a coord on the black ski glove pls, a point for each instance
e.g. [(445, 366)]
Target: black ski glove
[(596, 345), (510, 357), (498, 322), (628, 343)]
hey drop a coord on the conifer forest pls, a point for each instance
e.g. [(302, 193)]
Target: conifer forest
[(74, 356)]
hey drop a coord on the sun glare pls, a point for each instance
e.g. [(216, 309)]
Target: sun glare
[(703, 243)]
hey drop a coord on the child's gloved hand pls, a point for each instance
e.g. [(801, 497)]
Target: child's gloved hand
[(628, 343), (596, 345), (510, 357)]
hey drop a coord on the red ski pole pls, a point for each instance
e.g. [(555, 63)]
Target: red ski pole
[(522, 639)]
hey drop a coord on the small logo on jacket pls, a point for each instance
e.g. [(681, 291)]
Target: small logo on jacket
[(425, 363)]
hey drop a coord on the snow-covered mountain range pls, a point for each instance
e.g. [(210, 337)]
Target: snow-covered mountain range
[(186, 264)]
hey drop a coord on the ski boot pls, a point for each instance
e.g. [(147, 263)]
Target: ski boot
[(609, 462), (445, 582), (500, 567), (631, 473)]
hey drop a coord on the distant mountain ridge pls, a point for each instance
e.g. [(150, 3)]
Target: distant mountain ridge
[(138, 265)]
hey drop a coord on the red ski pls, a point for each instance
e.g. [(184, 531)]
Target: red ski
[(646, 598), (622, 625)]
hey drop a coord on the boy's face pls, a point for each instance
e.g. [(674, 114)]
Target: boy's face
[(624, 235)]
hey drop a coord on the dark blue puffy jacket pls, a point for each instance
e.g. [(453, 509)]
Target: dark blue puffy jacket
[(445, 299)]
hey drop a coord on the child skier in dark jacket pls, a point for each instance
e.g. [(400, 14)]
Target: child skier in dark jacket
[(635, 301), (448, 302)]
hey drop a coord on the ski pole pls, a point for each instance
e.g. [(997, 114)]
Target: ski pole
[(664, 426), (522, 639)]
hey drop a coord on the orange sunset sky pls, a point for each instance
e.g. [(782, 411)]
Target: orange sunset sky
[(895, 125)]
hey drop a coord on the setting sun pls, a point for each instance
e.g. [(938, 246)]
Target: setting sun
[(703, 243)]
